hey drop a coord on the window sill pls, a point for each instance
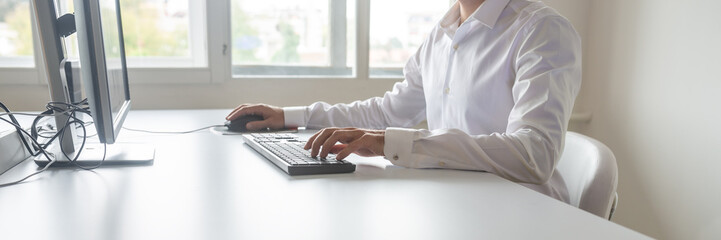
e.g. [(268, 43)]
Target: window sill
[(30, 76)]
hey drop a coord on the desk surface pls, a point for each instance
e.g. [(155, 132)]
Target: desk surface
[(207, 186)]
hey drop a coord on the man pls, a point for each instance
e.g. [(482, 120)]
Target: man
[(496, 81)]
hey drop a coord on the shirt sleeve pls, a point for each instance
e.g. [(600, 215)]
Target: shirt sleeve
[(404, 106), (548, 78)]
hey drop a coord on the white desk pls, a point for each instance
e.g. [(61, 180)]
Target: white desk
[(207, 186)]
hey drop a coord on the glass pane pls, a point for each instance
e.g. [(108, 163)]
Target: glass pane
[(157, 33), (16, 41), (155, 28), (397, 29), (292, 37)]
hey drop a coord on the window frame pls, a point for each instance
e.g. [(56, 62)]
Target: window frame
[(213, 19)]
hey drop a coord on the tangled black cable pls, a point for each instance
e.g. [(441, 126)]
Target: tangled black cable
[(53, 110), (35, 148)]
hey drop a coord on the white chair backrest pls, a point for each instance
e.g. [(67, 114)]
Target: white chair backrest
[(589, 169)]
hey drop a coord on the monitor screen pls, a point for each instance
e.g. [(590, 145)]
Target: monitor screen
[(103, 67), (113, 53)]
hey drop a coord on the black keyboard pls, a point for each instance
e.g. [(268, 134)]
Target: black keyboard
[(286, 151)]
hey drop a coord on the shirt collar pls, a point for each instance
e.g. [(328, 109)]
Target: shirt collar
[(488, 14)]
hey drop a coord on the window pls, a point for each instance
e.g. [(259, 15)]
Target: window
[(164, 33), (397, 29), (16, 45), (194, 41), (292, 37), (287, 37), (158, 33)]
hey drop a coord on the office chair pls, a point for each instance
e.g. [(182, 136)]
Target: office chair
[(589, 169)]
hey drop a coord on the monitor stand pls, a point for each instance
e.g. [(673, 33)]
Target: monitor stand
[(117, 154)]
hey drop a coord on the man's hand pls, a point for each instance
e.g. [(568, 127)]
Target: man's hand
[(273, 116), (363, 142)]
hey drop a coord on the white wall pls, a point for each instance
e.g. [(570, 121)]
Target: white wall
[(653, 84), (576, 11)]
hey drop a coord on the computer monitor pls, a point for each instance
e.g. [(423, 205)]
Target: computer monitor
[(103, 74), (103, 67)]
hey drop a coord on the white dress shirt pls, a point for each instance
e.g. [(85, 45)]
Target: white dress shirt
[(497, 92)]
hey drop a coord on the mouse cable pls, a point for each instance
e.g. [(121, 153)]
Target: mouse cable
[(180, 132)]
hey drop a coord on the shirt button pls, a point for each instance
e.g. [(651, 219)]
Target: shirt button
[(447, 90), (395, 157), (455, 47)]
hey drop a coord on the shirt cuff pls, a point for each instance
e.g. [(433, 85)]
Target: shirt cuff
[(295, 116), (398, 145)]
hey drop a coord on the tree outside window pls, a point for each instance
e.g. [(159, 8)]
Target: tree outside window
[(15, 28)]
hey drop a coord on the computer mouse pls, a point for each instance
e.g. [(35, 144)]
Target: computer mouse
[(238, 124)]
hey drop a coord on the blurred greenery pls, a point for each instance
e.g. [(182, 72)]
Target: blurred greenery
[(241, 30), (7, 6), (246, 40), (111, 41), (17, 16), (291, 40), (144, 38)]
